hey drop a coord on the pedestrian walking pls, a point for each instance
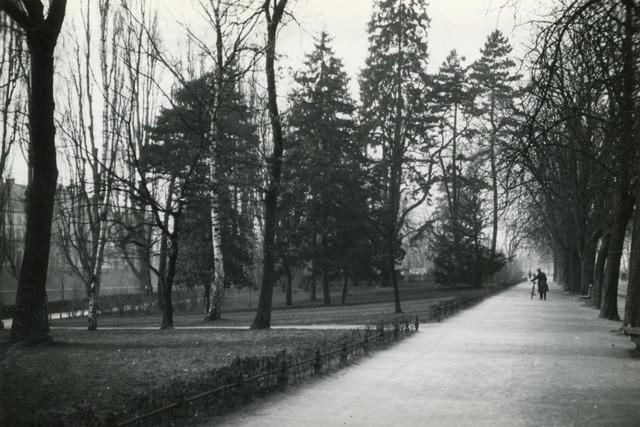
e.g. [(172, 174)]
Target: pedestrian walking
[(543, 288)]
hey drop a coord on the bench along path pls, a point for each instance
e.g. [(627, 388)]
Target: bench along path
[(510, 361)]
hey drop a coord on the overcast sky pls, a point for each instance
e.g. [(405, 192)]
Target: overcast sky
[(455, 24)]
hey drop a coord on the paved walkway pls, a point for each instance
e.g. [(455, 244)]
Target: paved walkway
[(509, 361)]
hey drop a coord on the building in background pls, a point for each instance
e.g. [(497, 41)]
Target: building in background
[(62, 282)]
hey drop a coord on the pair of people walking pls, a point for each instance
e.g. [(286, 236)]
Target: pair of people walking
[(543, 288)]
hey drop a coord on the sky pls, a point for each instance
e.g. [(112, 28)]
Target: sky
[(455, 24)]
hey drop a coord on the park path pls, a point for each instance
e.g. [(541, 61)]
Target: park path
[(509, 361)]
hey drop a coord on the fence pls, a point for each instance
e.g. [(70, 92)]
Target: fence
[(277, 373), (274, 374)]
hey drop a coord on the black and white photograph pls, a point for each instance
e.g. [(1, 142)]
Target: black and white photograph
[(301, 213)]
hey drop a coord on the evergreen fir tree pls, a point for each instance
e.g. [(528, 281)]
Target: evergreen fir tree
[(453, 101), (396, 118), (323, 145), (494, 77)]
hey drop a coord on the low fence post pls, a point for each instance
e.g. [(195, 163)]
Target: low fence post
[(283, 373), (416, 322), (240, 385), (344, 353), (180, 410), (317, 362)]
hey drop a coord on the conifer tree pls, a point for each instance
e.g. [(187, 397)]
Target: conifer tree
[(494, 77), (453, 102), (396, 115), (323, 140)]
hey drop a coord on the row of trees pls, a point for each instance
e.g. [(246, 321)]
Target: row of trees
[(579, 153)]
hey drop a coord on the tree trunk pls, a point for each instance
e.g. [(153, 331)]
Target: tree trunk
[(30, 321), (207, 297), (313, 296), (326, 288), (217, 279), (587, 260), (288, 289), (263, 314), (632, 304), (625, 150), (598, 271), (94, 286), (556, 265), (396, 291), (345, 289), (609, 298), (162, 267), (572, 272), (494, 179), (167, 303)]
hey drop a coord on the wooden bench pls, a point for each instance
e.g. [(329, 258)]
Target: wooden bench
[(586, 298), (634, 334)]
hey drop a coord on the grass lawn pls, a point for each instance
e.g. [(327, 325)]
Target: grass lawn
[(110, 367), (364, 305)]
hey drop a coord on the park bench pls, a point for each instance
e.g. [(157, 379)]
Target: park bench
[(634, 334), (586, 298)]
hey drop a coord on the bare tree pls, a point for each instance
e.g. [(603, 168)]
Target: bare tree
[(273, 12), (13, 81), (86, 204)]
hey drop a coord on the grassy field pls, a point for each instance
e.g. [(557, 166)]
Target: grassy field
[(108, 368), (237, 312)]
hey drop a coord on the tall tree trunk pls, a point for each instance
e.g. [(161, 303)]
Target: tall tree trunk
[(289, 287), (326, 288), (494, 179), (217, 279), (164, 240), (167, 303), (313, 288), (587, 260), (573, 272), (263, 314), (598, 271), (396, 291), (632, 304), (30, 318), (609, 297), (96, 277), (556, 265), (345, 288), (623, 198), (162, 266)]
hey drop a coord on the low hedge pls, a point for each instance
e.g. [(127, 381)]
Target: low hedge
[(215, 391)]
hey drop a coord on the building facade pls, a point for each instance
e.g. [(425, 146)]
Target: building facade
[(62, 282)]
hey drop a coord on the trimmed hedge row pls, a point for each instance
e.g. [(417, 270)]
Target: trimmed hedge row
[(183, 300)]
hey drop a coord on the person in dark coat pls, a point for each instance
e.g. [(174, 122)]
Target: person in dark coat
[(543, 288)]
